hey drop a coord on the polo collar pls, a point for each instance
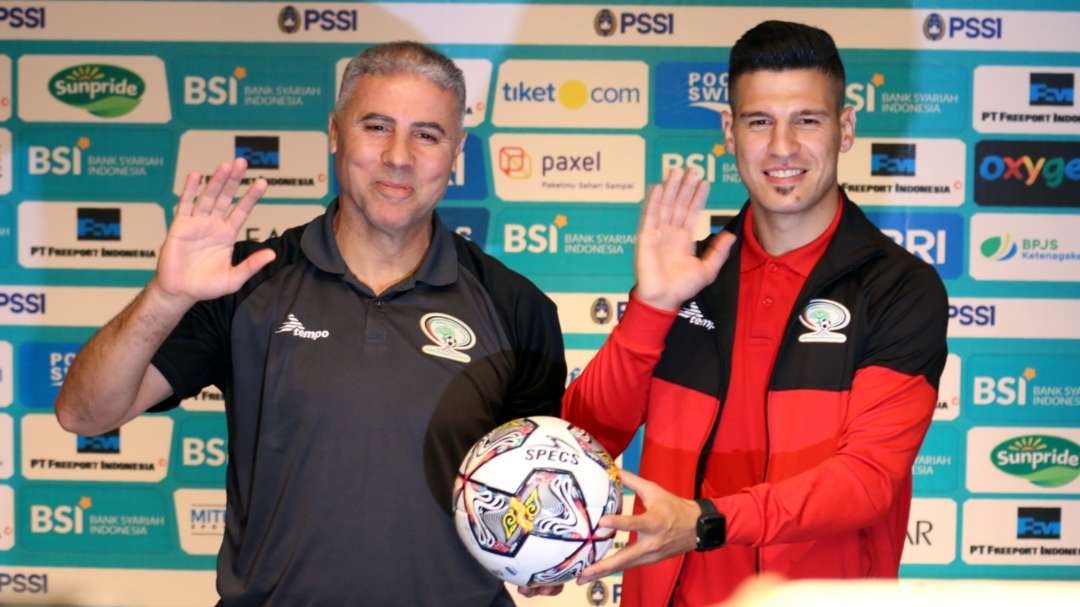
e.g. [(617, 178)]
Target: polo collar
[(801, 260), (438, 268)]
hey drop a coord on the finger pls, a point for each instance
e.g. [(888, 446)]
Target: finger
[(623, 559), (634, 482), (244, 270), (718, 252), (549, 590), (697, 203), (242, 209), (684, 198), (527, 591), (622, 522), (671, 189), (232, 184), (650, 215), (187, 196), (205, 203)]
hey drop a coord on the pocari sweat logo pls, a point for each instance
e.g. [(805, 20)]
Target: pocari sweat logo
[(691, 94), (936, 238)]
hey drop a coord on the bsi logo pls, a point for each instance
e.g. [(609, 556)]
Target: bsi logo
[(535, 238), (204, 452), (1004, 391), (61, 520), (214, 90), (1038, 523), (60, 160), (607, 23)]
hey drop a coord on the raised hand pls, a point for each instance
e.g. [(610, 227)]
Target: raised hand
[(196, 259), (668, 271), (666, 528)]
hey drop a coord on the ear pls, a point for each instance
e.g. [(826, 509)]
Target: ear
[(331, 126), (847, 128), (461, 143), (727, 120)]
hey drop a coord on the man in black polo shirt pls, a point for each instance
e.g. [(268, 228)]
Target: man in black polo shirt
[(360, 356)]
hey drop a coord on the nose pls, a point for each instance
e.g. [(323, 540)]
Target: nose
[(397, 152), (783, 143)]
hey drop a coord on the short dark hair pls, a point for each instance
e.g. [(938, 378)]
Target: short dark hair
[(783, 45)]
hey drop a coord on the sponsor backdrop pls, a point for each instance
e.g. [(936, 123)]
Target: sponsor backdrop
[(967, 155)]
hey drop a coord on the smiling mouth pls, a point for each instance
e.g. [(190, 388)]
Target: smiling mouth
[(785, 173), (394, 188)]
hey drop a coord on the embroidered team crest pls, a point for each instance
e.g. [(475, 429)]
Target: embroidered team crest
[(823, 317), (450, 335)]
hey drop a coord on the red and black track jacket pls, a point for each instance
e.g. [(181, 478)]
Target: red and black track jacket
[(843, 420)]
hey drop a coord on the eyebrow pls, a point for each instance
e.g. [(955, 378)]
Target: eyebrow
[(416, 125), (750, 115)]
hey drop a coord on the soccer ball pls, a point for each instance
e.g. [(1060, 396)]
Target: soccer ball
[(528, 499)]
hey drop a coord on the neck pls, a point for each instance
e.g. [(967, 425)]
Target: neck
[(379, 259), (779, 233)]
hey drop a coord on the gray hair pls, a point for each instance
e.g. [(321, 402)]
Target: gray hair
[(404, 57)]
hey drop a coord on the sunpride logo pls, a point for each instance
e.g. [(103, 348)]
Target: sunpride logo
[(106, 91), (1046, 461)]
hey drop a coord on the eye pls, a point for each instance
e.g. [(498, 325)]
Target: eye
[(808, 121), (428, 136), (375, 127), (757, 123)]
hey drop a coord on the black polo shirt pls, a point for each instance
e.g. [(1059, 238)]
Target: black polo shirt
[(348, 415)]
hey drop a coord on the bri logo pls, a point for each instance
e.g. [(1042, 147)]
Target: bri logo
[(293, 326)]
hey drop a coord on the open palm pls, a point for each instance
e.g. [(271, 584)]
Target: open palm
[(668, 271), (196, 259)]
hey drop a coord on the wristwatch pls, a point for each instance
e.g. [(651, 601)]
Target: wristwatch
[(711, 527)]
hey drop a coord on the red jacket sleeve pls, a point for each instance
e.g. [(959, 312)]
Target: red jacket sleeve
[(610, 397), (889, 413)]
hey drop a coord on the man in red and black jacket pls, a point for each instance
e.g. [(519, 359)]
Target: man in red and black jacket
[(785, 383)]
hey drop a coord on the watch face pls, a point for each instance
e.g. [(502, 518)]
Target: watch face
[(711, 531)]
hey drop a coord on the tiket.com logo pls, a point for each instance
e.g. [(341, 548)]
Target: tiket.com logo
[(607, 23), (294, 327), (261, 152), (999, 248), (60, 160), (1038, 523), (824, 317), (1042, 460), (450, 335), (892, 159), (215, 90), (863, 95), (106, 91), (515, 162), (97, 224), (572, 94), (1051, 89)]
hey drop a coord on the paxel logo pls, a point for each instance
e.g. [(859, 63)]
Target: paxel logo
[(1039, 173), (203, 452), (61, 520), (213, 90), (472, 223), (93, 223), (108, 442), (608, 23), (1038, 523), (1051, 89), (969, 315), (515, 162), (20, 17), (936, 238), (535, 238), (59, 160), (937, 27), (24, 583), (19, 302), (290, 20), (260, 151), (892, 159)]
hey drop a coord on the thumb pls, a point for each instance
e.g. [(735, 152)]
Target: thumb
[(247, 268)]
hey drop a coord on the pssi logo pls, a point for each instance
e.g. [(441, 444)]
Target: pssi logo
[(18, 17), (892, 159), (261, 152), (607, 23), (59, 160), (1038, 523), (108, 442), (1051, 89), (24, 583), (969, 315), (62, 520), (535, 238), (97, 224), (291, 20), (18, 302), (601, 313), (106, 91), (937, 27), (214, 90)]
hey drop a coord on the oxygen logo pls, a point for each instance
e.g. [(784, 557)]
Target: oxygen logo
[(106, 91), (998, 248), (1042, 460)]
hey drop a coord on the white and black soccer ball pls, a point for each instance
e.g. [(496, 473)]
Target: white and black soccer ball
[(528, 500)]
